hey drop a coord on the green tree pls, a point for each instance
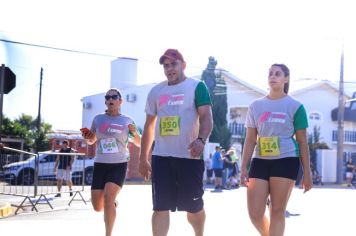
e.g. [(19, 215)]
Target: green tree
[(217, 90), (25, 127), (314, 143)]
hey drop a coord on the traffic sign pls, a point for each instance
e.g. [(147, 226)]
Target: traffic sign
[(9, 80)]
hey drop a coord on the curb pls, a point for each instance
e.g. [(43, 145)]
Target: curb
[(5, 209)]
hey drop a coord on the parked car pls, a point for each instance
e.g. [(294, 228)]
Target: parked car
[(23, 172)]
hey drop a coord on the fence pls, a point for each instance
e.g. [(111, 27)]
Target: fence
[(33, 176)]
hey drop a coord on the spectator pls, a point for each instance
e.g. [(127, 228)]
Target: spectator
[(63, 168), (218, 165), (209, 169), (227, 169), (350, 167)]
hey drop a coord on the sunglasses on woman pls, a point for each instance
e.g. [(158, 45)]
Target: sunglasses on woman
[(113, 97)]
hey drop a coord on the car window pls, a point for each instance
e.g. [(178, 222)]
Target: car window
[(49, 158)]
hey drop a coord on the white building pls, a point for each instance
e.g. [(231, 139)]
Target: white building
[(123, 77), (319, 98)]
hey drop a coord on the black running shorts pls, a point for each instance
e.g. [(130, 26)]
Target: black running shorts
[(177, 184), (284, 167), (108, 172)]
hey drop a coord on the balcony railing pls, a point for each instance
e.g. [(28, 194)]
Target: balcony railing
[(349, 136), (237, 130)]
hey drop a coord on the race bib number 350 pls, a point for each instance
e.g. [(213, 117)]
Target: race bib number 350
[(169, 125), (269, 146)]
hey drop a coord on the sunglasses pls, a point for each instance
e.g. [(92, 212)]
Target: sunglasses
[(113, 97)]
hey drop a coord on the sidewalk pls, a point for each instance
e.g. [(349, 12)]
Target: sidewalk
[(322, 211)]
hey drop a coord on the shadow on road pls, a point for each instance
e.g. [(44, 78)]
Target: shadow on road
[(288, 214)]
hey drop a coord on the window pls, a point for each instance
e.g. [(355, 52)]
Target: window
[(49, 158), (81, 144), (315, 116)]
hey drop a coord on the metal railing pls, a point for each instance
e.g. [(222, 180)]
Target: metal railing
[(33, 176), (237, 129), (349, 136)]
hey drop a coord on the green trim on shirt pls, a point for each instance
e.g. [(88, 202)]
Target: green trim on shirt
[(202, 96), (300, 119), (297, 153)]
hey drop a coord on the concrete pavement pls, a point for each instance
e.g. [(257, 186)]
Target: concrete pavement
[(322, 211)]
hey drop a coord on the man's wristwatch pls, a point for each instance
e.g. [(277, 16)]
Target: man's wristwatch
[(201, 139)]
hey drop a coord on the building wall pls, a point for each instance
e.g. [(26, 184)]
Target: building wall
[(323, 99), (123, 72), (239, 96)]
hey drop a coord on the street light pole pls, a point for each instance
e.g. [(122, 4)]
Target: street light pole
[(340, 123)]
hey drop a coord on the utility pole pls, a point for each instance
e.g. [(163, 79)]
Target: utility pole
[(39, 110), (340, 123)]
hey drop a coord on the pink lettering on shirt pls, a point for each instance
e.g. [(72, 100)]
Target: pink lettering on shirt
[(264, 117), (177, 99), (104, 127), (274, 117), (163, 99)]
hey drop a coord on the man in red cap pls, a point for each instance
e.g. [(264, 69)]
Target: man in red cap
[(172, 54), (179, 120)]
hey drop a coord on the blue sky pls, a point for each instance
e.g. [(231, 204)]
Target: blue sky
[(245, 37)]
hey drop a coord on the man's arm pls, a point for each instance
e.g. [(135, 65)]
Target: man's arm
[(206, 121), (148, 136), (146, 144), (205, 127)]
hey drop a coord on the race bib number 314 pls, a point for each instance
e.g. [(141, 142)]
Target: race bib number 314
[(169, 125), (269, 146)]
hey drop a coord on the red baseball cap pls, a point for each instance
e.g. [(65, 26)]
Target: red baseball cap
[(171, 54)]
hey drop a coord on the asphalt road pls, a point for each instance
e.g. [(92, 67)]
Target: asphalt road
[(322, 211)]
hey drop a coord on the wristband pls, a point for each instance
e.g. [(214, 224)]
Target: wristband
[(201, 139)]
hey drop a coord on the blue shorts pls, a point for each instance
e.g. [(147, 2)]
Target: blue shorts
[(177, 184), (108, 172), (284, 167)]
